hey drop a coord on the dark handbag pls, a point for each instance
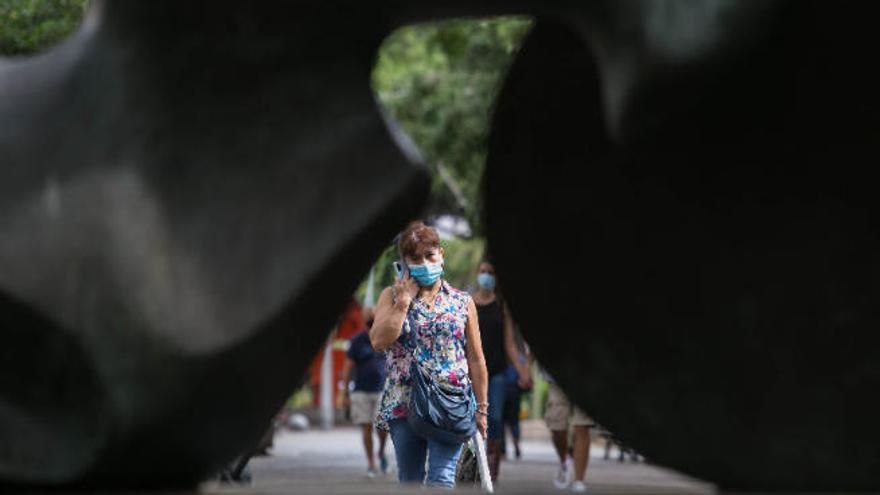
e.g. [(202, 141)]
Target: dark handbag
[(438, 414)]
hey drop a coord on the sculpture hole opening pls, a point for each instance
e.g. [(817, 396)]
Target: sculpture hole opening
[(29, 27), (437, 82)]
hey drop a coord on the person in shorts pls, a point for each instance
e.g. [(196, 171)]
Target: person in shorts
[(363, 400), (560, 415)]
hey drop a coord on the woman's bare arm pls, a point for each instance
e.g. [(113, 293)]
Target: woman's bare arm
[(477, 362), (388, 321), (346, 378), (522, 370)]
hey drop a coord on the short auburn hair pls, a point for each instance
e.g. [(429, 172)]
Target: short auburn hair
[(416, 239)]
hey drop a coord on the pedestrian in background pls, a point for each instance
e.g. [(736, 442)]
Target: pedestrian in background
[(362, 394), (560, 414), (499, 347)]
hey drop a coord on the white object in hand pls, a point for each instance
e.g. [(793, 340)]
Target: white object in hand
[(482, 463)]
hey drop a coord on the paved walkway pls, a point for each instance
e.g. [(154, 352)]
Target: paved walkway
[(331, 462)]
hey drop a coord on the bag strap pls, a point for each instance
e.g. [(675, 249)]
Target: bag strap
[(414, 340)]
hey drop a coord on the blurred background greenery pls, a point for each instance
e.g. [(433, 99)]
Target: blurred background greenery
[(438, 82)]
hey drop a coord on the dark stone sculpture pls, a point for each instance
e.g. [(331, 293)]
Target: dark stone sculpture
[(189, 197), (706, 283), (190, 192)]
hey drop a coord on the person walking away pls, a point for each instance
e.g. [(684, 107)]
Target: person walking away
[(499, 347), (363, 401), (559, 415), (428, 327)]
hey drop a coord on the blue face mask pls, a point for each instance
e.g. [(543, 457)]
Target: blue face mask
[(426, 274), (486, 281)]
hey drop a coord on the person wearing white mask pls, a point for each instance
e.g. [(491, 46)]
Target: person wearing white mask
[(499, 347)]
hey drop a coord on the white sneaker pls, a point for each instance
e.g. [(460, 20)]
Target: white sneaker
[(371, 473), (564, 475), (578, 487)]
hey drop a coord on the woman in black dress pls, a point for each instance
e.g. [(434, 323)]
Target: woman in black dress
[(499, 349)]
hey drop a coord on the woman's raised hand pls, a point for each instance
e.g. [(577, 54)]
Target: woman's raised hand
[(404, 290)]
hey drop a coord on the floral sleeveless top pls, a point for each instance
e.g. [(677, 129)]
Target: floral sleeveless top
[(437, 342)]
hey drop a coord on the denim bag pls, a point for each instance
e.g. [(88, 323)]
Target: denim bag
[(436, 413)]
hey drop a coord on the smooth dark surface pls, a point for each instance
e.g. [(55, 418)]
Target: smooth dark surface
[(187, 198), (678, 198), (707, 284)]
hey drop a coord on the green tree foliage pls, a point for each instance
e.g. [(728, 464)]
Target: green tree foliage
[(438, 82), (30, 26)]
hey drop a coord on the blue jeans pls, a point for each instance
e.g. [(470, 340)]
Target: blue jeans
[(497, 391), (411, 451), (511, 408)]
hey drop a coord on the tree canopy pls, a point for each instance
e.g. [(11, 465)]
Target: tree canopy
[(438, 82)]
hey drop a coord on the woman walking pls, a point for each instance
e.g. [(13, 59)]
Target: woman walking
[(430, 332), (500, 349)]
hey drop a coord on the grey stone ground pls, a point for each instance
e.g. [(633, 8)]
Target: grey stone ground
[(331, 462)]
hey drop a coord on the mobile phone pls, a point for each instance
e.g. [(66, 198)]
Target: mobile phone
[(398, 269)]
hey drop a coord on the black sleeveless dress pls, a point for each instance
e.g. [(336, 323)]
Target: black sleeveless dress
[(491, 320)]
